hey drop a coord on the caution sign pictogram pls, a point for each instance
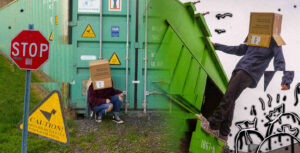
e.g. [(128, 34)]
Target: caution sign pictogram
[(47, 120), (88, 32), (114, 60), (51, 36)]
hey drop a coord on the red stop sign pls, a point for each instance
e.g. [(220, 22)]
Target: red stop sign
[(29, 49)]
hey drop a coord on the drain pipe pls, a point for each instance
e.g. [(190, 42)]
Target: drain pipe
[(146, 93), (100, 54), (127, 59)]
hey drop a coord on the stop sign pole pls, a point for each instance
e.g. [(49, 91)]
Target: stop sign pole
[(26, 106), (26, 111), (29, 50)]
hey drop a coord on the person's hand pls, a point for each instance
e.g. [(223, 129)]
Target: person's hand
[(284, 87), (107, 101), (213, 43), (121, 96)]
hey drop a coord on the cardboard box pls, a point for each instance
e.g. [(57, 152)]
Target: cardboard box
[(100, 74), (263, 27)]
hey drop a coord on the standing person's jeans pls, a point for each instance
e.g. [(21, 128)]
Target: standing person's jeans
[(114, 100), (223, 115)]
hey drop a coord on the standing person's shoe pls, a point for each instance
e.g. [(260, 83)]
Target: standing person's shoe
[(226, 149), (223, 138), (98, 118), (206, 128), (117, 119)]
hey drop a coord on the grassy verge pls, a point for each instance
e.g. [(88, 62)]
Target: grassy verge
[(138, 134), (12, 83)]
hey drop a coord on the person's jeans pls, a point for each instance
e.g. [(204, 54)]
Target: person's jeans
[(101, 109), (115, 101), (223, 115)]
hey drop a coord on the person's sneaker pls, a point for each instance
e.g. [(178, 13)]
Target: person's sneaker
[(205, 126), (98, 118), (226, 149), (117, 119), (223, 138)]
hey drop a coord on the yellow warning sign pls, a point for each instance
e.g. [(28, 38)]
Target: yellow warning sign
[(56, 20), (47, 120), (88, 32), (51, 36), (114, 60)]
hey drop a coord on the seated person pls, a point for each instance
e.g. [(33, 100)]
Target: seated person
[(105, 100)]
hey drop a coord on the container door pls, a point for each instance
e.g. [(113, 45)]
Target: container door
[(85, 27), (151, 32)]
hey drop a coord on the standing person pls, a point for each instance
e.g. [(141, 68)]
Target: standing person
[(247, 73), (105, 100)]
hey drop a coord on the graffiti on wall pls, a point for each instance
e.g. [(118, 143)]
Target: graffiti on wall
[(222, 16), (280, 125)]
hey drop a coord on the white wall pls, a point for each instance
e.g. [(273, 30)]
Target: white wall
[(236, 31)]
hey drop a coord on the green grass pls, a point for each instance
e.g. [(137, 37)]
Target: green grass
[(12, 84), (133, 136)]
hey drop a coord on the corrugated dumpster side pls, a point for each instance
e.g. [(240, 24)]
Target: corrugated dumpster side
[(195, 80)]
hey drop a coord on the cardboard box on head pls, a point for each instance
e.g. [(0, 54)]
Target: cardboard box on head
[(100, 74), (263, 27)]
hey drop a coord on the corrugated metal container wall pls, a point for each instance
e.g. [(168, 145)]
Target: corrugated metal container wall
[(48, 16), (69, 63), (86, 37)]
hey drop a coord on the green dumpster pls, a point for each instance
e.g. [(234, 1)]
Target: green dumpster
[(194, 78)]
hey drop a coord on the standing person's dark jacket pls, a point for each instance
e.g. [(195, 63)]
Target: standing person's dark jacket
[(255, 60), (98, 97)]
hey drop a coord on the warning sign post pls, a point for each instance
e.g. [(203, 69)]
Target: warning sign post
[(47, 120)]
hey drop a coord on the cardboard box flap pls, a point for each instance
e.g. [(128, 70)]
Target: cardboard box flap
[(263, 27), (260, 40), (102, 84), (100, 74), (277, 24), (261, 23), (99, 69), (278, 39), (103, 61)]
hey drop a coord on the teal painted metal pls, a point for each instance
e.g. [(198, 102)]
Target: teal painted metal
[(65, 63), (110, 44), (90, 47), (42, 14)]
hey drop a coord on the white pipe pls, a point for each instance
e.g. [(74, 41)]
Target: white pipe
[(146, 59), (100, 54), (127, 58)]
